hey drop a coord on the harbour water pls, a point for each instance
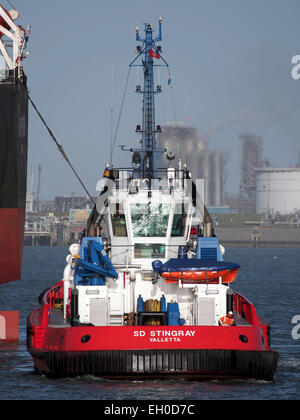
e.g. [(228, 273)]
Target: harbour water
[(270, 278)]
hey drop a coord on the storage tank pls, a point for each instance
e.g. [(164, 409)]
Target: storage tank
[(278, 190)]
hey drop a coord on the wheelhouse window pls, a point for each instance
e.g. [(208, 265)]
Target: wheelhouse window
[(179, 220), (149, 220), (118, 219), (149, 251)]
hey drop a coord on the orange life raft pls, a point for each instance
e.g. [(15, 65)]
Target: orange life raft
[(199, 271)]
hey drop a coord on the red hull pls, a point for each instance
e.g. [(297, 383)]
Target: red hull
[(11, 244), (146, 337), (129, 352), (155, 351)]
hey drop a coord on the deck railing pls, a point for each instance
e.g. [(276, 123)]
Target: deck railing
[(48, 301), (246, 310)]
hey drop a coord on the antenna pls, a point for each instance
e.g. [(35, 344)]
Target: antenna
[(111, 113)]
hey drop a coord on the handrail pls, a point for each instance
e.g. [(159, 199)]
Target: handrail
[(245, 309), (48, 301), (53, 293)]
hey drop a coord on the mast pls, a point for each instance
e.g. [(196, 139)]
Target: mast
[(145, 158)]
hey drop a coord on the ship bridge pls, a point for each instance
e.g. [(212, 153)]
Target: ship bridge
[(143, 224)]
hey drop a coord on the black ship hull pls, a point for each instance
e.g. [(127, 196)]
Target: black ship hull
[(13, 174), (130, 364)]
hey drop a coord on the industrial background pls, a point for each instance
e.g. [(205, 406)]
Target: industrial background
[(266, 212)]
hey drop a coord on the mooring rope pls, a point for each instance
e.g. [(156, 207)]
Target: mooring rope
[(60, 148)]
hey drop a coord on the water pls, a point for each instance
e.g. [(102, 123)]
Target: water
[(270, 278)]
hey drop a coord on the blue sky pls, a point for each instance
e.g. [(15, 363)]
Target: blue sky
[(230, 62)]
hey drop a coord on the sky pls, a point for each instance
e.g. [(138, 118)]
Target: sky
[(230, 62)]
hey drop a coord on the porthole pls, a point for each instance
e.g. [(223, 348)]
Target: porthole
[(85, 339), (243, 338)]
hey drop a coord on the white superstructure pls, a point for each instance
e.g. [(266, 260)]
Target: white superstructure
[(141, 225)]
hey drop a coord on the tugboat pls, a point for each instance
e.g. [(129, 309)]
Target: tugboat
[(147, 292)]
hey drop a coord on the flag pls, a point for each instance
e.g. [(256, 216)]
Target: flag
[(154, 54)]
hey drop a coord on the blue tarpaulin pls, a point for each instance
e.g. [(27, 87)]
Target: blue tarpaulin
[(195, 264)]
